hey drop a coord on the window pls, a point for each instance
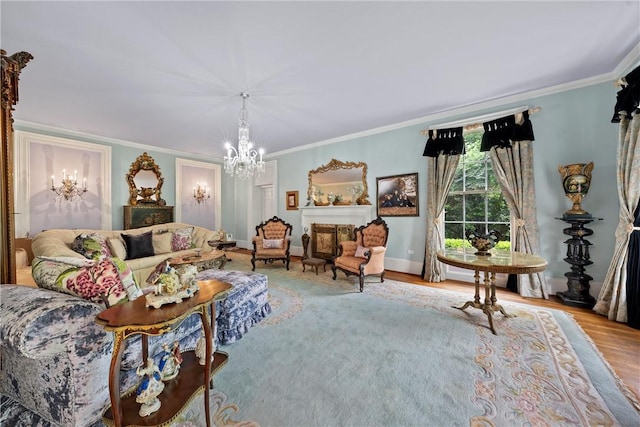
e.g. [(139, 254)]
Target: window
[(475, 200)]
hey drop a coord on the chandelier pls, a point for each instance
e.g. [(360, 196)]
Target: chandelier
[(69, 190), (243, 162), (201, 193)]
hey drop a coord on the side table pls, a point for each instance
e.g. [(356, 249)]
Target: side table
[(223, 245), (132, 318)]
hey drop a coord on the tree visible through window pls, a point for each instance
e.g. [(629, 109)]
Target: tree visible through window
[(475, 201)]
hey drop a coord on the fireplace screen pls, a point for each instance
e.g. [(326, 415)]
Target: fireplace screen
[(325, 239)]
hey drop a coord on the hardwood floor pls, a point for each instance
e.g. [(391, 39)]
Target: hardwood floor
[(618, 343)]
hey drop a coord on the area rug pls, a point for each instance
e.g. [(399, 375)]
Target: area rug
[(399, 355)]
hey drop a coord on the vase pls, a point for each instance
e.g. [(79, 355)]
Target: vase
[(483, 242), (576, 180)]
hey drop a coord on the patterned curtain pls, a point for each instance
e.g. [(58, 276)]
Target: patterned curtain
[(619, 298), (443, 151), (509, 141)]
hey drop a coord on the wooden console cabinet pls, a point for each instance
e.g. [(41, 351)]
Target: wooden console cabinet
[(146, 215)]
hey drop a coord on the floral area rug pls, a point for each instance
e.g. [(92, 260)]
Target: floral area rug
[(400, 355)]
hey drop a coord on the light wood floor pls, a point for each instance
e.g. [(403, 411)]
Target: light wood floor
[(618, 343)]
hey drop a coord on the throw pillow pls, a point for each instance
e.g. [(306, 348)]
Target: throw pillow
[(361, 252), (117, 248), (91, 246), (181, 239), (162, 243), (272, 243), (105, 280), (139, 246)]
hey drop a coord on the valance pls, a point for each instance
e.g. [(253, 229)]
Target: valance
[(503, 131), (444, 141), (629, 97)]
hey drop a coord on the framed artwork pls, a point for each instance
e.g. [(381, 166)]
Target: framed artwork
[(397, 195), (292, 200)]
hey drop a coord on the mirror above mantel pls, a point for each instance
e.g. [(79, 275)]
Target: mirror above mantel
[(338, 183)]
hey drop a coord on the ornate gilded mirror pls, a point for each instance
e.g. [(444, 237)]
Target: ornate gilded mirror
[(338, 183), (145, 182)]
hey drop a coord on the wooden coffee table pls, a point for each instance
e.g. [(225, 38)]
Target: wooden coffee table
[(204, 261)]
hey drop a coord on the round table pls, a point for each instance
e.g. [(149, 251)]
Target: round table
[(499, 261)]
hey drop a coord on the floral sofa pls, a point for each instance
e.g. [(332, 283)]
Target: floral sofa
[(56, 358)]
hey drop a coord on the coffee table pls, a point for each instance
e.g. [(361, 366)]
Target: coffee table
[(499, 261), (204, 261)]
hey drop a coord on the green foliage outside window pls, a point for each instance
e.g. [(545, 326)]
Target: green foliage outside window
[(475, 200)]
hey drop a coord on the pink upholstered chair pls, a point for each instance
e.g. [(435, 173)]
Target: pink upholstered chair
[(364, 256), (271, 242)]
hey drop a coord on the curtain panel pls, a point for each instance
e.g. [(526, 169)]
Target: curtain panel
[(508, 141), (443, 150)]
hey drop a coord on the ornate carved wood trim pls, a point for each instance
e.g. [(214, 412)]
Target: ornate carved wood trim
[(11, 68)]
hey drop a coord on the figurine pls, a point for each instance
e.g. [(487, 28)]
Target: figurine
[(201, 349), (170, 361), (149, 389)]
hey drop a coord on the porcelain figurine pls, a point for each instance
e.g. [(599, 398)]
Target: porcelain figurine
[(201, 350), (149, 389), (170, 361), (483, 242)]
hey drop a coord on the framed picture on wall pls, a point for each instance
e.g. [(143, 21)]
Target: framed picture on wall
[(292, 200), (397, 195)]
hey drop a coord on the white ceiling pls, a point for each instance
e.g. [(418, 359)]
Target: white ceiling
[(169, 74)]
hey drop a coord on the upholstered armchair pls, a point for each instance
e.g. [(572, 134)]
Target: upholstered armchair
[(364, 256), (271, 242)]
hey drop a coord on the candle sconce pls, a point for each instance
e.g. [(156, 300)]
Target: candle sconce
[(201, 193), (69, 189)]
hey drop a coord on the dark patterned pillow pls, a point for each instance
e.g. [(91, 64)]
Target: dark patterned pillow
[(139, 246), (91, 246)]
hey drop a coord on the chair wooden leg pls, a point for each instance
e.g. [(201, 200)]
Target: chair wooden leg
[(253, 264), (382, 277), (361, 283), (333, 268)]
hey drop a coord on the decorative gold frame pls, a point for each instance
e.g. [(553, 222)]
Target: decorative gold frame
[(334, 164), (292, 200), (145, 162)]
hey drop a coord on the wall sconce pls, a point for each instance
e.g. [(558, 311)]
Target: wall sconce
[(69, 190), (201, 193)]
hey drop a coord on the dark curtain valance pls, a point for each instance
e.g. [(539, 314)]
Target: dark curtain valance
[(502, 132), (629, 97), (444, 141)]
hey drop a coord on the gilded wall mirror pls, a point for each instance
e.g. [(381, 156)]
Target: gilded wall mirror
[(145, 182), (338, 183)]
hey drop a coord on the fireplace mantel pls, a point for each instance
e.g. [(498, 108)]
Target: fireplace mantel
[(357, 215)]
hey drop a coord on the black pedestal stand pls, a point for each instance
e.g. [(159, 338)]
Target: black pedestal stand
[(578, 257)]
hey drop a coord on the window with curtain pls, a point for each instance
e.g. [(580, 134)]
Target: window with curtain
[(475, 201)]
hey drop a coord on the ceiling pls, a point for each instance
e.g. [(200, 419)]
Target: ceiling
[(169, 74)]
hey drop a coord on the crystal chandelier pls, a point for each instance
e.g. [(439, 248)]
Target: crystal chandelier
[(243, 162), (69, 190)]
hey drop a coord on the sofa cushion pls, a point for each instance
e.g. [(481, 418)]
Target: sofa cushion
[(107, 280), (91, 246), (181, 239), (117, 247), (162, 242), (139, 246)]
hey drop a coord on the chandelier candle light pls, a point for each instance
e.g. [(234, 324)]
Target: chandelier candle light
[(201, 193), (243, 162), (69, 189)]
